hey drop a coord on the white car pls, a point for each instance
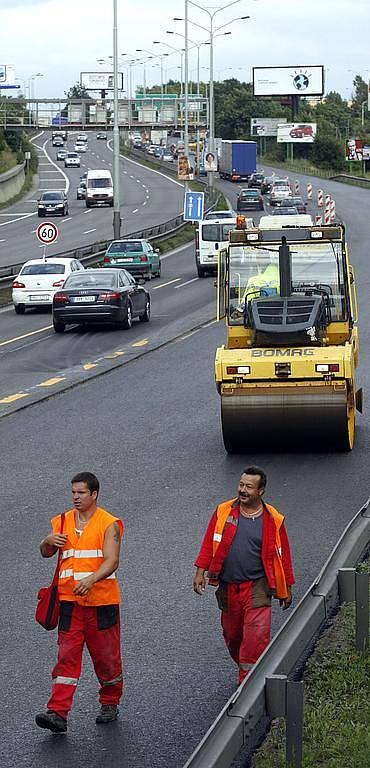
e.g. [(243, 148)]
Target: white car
[(72, 159), (80, 147), (167, 157), (81, 137), (39, 279)]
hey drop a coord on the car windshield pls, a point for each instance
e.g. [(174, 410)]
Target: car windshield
[(94, 183), (254, 272), (43, 269), (249, 193), (216, 232), (126, 247), (51, 196), (101, 280)]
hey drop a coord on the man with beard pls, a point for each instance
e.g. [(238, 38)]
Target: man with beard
[(246, 553)]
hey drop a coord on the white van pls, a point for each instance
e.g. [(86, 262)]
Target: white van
[(278, 222), (210, 238), (99, 188)]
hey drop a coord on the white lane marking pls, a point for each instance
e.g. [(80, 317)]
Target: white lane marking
[(87, 211), (131, 177), (88, 231), (56, 166), (23, 216), (63, 220), (46, 181), (144, 203), (138, 181), (109, 163), (187, 283), (135, 211), (125, 172), (4, 241), (143, 186), (176, 280), (17, 214)]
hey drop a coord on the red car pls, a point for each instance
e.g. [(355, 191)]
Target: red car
[(301, 131)]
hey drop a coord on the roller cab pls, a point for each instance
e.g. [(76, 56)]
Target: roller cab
[(286, 376)]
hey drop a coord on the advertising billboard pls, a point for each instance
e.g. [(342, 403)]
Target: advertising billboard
[(354, 149), (365, 152), (288, 81), (185, 171), (296, 133), (266, 126), (100, 81), (7, 76)]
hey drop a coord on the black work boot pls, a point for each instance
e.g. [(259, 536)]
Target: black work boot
[(52, 721), (108, 713)]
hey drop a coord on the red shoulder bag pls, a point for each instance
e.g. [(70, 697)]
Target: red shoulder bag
[(47, 609)]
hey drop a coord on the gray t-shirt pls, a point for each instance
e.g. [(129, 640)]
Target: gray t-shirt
[(243, 561)]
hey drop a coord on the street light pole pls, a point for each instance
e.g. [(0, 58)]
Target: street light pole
[(116, 190)]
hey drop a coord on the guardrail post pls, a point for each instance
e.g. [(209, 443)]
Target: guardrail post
[(362, 612), (294, 723), (284, 698), (346, 584)]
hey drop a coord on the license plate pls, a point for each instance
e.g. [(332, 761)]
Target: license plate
[(123, 261), (41, 297), (83, 299)]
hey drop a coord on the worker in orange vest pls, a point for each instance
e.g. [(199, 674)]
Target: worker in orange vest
[(246, 553), (89, 603)]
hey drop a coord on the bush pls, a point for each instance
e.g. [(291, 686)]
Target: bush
[(328, 152)]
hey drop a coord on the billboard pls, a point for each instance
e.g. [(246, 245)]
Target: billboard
[(365, 152), (185, 171), (210, 161), (354, 149), (100, 81), (288, 81), (296, 133), (7, 76), (266, 126)]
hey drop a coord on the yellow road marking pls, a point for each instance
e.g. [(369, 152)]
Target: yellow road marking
[(50, 382), (13, 398), (25, 335), (113, 355), (88, 366), (176, 280), (140, 343)]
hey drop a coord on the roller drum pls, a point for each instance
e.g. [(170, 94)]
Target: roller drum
[(291, 421)]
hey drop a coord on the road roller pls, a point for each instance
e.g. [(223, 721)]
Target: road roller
[(286, 376)]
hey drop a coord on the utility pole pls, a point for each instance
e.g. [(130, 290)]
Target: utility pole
[(116, 195)]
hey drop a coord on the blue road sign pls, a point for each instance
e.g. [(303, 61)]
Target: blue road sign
[(193, 206)]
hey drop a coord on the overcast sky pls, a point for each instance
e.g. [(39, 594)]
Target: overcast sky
[(61, 38)]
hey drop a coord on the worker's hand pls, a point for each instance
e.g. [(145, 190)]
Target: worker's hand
[(84, 586), (287, 601), (56, 540), (199, 583)]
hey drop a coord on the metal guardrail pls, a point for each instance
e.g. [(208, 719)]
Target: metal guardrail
[(90, 253), (239, 723), (360, 180)]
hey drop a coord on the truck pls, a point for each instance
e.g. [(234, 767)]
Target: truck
[(287, 373), (238, 160)]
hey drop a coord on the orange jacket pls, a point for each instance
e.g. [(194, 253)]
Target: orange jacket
[(82, 555), (275, 546)]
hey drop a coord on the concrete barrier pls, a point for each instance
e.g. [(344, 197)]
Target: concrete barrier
[(11, 182)]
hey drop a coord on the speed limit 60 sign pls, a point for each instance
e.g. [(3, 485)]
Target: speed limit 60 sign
[(47, 232)]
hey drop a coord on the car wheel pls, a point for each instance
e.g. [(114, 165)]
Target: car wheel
[(201, 272), (19, 309), (58, 326), (87, 204), (146, 316), (126, 324), (148, 275), (159, 269)]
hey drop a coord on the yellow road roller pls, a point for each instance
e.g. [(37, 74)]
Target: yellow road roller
[(286, 376)]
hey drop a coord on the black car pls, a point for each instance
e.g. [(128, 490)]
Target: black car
[(101, 135), (267, 184), (52, 202), (57, 141), (255, 181), (100, 296), (284, 210), (249, 198), (299, 203)]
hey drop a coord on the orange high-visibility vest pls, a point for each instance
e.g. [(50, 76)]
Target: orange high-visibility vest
[(224, 511), (82, 555)]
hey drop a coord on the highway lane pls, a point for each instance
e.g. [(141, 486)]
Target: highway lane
[(30, 351), (147, 198), (151, 433)]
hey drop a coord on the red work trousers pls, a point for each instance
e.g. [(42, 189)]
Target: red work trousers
[(246, 630), (104, 648)]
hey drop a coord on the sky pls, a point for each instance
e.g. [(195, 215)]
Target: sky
[(61, 39)]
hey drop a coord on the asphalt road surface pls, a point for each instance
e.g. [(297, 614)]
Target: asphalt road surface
[(151, 432), (147, 198)]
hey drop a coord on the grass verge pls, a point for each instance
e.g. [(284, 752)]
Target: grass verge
[(186, 235), (8, 160), (22, 192), (336, 703)]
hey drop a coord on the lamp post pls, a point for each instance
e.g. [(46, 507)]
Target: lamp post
[(155, 56), (176, 50), (31, 89), (211, 31), (116, 190)]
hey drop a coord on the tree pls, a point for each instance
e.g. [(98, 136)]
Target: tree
[(359, 95), (78, 91)]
